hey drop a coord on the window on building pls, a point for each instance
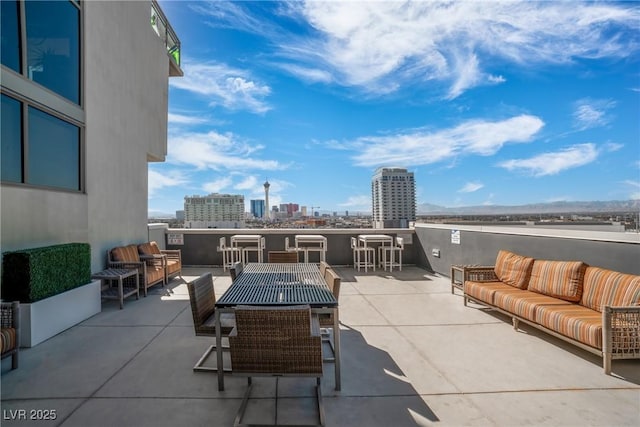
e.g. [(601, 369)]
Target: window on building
[(10, 50), (11, 134), (54, 151), (41, 137), (53, 46)]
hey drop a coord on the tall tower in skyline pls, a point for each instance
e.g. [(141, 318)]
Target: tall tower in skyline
[(393, 196), (266, 199)]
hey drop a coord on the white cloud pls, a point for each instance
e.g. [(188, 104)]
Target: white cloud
[(218, 185), (590, 113), (635, 189), (183, 119), (223, 85), (470, 187), (212, 150), (158, 181), (380, 46), (360, 201), (553, 163), (424, 147), (248, 183)]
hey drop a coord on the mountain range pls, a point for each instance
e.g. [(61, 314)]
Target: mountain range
[(533, 208)]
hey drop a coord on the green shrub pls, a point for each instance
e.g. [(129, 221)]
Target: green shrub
[(30, 275)]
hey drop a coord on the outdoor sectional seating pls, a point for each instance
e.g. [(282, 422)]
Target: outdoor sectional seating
[(151, 269), (593, 308), (173, 258), (10, 331)]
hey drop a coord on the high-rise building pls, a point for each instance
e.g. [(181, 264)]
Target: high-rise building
[(266, 198), (257, 208), (393, 196), (214, 211)]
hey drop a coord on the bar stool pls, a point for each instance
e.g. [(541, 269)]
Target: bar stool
[(363, 256), (230, 255), (388, 254)]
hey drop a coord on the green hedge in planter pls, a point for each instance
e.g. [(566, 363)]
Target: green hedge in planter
[(30, 275)]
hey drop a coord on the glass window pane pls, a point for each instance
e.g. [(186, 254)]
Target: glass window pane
[(54, 151), (53, 41), (11, 134), (10, 50)]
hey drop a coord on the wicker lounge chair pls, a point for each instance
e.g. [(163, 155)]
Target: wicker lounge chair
[(203, 299), (276, 341), (10, 331), (151, 270), (173, 258)]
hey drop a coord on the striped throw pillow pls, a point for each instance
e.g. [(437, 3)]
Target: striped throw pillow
[(559, 279), (513, 269), (609, 288)]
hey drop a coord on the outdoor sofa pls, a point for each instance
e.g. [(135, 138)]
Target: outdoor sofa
[(591, 307), (151, 269)]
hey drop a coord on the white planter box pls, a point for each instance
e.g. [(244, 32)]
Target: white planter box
[(43, 319)]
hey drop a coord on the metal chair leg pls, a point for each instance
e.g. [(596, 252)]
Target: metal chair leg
[(199, 365)]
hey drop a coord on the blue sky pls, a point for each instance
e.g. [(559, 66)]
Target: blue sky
[(500, 103)]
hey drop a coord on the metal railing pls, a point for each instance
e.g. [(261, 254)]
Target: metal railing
[(161, 26)]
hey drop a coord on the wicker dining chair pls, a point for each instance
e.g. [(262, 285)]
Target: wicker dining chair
[(326, 320), (276, 341), (203, 299), (282, 256), (235, 270)]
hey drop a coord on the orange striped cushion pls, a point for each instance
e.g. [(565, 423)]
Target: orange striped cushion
[(125, 254), (523, 303), (560, 279), (573, 320), (7, 339), (609, 288), (483, 291), (513, 269), (150, 248)]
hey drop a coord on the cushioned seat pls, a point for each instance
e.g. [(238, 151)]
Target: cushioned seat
[(484, 291), (173, 258), (523, 303), (151, 271), (10, 331), (574, 321)]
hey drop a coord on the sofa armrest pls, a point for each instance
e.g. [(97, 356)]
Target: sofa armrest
[(621, 331), (480, 274), (159, 260), (172, 253)]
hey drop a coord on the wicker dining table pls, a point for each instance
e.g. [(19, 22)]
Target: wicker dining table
[(279, 284)]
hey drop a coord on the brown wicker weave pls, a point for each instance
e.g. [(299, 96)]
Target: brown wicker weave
[(276, 341), (172, 258), (283, 256), (203, 299), (151, 270), (235, 270), (327, 320), (10, 325)]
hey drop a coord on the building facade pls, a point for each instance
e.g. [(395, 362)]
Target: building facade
[(257, 208), (214, 211), (84, 109), (393, 196)]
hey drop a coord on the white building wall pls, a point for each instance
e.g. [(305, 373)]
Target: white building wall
[(126, 70)]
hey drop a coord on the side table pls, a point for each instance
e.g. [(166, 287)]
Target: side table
[(124, 289), (458, 270)]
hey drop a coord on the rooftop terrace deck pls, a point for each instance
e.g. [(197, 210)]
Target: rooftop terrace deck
[(412, 354)]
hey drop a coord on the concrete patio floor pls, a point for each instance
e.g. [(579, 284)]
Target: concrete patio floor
[(412, 354)]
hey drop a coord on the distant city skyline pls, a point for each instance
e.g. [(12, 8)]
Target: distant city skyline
[(488, 103)]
